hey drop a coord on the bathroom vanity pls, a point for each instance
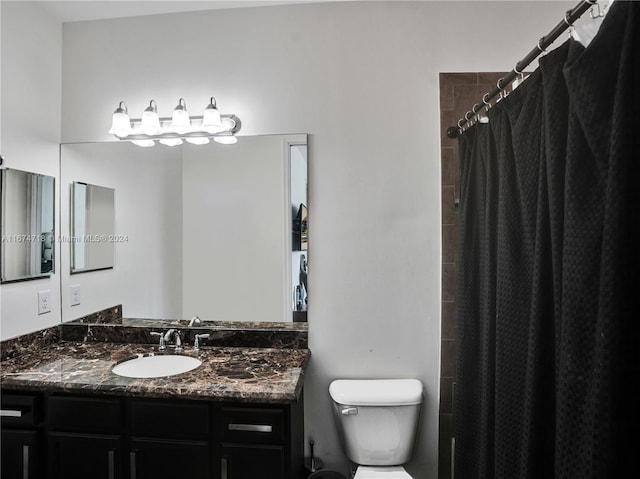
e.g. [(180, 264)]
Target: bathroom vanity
[(65, 414)]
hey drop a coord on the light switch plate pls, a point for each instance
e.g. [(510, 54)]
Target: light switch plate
[(75, 295), (44, 301)]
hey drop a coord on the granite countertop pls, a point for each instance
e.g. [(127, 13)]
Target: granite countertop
[(264, 375)]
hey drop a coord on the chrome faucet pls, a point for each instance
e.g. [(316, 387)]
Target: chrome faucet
[(195, 320), (161, 346), (175, 333), (196, 343)]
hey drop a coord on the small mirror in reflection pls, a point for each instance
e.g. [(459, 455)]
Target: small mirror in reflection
[(27, 219), (92, 223)]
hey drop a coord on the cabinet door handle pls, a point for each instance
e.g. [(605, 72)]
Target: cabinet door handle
[(112, 464), (132, 465), (223, 468), (10, 413), (250, 427), (25, 462)]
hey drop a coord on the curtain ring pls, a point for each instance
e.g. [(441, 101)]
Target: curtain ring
[(566, 18), (515, 69), (485, 100), (460, 121), (542, 50), (466, 117), (499, 84)]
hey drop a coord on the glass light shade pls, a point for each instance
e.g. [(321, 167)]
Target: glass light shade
[(143, 143), (171, 141), (150, 120), (211, 118), (198, 140), (225, 140), (180, 122), (120, 125)]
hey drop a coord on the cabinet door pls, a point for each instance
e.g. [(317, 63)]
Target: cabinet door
[(152, 459), (251, 462), (78, 456), (19, 454)]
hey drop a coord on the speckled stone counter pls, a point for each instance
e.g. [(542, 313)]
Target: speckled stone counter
[(266, 375)]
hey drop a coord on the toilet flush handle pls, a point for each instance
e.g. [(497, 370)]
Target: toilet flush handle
[(349, 411)]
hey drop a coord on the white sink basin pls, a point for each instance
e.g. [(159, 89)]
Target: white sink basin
[(152, 366)]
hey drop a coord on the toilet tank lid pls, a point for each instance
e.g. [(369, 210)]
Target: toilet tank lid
[(376, 392)]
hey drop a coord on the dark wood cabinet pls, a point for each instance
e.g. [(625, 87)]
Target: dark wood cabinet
[(163, 458), (21, 441), (102, 437), (20, 454), (243, 461), (77, 456)]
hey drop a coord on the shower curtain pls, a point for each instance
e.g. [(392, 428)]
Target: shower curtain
[(548, 269)]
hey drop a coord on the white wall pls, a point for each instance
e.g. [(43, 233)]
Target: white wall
[(362, 80), (31, 52), (147, 277)]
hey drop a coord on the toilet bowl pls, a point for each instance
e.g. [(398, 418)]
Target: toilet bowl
[(377, 422)]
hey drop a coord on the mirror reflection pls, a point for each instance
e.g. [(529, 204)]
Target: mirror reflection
[(200, 230), (92, 223), (27, 223)]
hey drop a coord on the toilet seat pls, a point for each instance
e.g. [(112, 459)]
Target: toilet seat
[(381, 472)]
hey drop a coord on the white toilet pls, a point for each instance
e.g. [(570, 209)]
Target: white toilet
[(377, 421)]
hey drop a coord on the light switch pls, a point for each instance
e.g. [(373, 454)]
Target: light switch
[(75, 295), (44, 301)]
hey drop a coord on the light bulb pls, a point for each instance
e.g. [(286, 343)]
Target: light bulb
[(171, 141), (180, 122), (150, 120), (121, 124), (211, 118), (198, 140), (225, 140), (143, 143)]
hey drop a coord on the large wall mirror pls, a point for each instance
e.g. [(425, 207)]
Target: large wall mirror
[(201, 231), (27, 223)]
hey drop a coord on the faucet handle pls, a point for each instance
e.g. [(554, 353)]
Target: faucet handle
[(161, 346), (196, 343)]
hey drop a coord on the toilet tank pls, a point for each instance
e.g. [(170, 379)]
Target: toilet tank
[(377, 419)]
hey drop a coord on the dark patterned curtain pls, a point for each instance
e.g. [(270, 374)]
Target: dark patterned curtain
[(547, 274)]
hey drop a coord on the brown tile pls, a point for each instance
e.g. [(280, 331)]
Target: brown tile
[(449, 243), (449, 320), (446, 395), (463, 96), (444, 446), (448, 282), (446, 94), (447, 358), (449, 166), (467, 78), (490, 77), (448, 206)]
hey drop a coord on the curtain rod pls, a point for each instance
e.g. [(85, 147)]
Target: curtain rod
[(570, 17)]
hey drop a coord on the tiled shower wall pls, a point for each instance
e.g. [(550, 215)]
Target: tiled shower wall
[(458, 93)]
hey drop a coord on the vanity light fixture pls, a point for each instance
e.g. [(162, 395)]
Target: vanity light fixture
[(180, 127)]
